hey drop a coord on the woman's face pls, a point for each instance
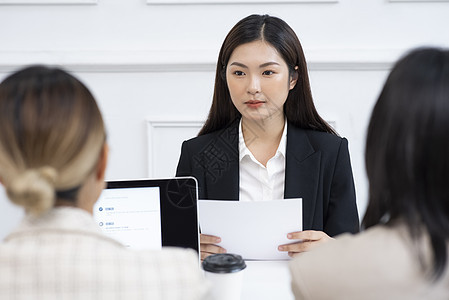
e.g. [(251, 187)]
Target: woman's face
[(258, 80)]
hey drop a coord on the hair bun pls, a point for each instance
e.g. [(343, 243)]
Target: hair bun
[(49, 174), (34, 189)]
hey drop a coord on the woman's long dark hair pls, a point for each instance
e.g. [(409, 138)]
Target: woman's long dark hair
[(299, 108), (407, 151)]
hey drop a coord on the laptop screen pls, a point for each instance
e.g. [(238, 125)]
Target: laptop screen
[(150, 213)]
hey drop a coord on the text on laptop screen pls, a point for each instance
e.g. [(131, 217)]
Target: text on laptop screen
[(131, 216)]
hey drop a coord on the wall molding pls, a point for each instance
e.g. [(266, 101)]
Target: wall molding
[(422, 1), (185, 60), (113, 61), (173, 123), (178, 2), (48, 2)]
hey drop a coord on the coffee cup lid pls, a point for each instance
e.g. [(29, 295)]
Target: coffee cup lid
[(223, 263)]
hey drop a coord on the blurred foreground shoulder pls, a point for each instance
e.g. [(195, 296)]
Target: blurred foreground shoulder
[(374, 264), (178, 273)]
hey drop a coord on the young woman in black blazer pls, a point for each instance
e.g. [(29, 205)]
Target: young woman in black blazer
[(263, 118)]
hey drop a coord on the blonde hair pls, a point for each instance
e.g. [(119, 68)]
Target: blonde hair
[(51, 136)]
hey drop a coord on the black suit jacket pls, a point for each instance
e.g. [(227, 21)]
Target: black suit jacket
[(318, 170)]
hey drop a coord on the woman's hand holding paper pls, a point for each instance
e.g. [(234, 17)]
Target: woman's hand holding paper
[(208, 245), (306, 240)]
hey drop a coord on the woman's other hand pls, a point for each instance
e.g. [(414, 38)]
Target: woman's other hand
[(208, 245), (308, 239)]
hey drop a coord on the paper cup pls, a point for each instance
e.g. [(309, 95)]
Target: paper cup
[(225, 273)]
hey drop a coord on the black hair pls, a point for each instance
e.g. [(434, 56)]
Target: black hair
[(407, 149)]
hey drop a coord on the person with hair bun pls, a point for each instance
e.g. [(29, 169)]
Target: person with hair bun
[(53, 156), (403, 251)]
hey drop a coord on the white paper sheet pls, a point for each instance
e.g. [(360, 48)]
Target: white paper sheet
[(253, 230)]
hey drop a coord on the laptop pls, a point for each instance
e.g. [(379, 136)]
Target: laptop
[(148, 214)]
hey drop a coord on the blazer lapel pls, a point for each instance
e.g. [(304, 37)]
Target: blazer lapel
[(302, 169), (222, 173)]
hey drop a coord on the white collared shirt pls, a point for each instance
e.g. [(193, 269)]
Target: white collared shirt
[(257, 182)]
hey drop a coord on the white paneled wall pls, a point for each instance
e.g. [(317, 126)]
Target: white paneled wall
[(150, 64)]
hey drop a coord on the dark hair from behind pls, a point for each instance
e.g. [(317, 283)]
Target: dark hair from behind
[(299, 108), (407, 149)]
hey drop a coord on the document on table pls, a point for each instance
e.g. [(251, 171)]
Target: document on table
[(253, 230)]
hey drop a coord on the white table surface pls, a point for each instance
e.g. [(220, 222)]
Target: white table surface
[(266, 280)]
